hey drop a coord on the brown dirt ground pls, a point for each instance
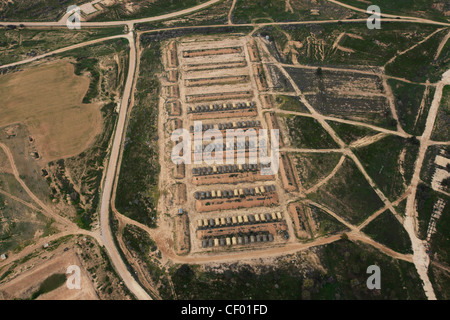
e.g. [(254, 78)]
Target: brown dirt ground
[(48, 98)]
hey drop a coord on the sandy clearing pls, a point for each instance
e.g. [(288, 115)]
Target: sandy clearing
[(27, 282), (48, 99)]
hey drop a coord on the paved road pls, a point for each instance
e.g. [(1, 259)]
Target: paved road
[(108, 183)]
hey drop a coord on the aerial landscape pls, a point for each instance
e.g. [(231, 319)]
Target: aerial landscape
[(224, 149)]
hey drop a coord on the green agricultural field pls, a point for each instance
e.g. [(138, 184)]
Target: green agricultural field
[(215, 14), (412, 103), (248, 11), (390, 163), (293, 277), (19, 44), (387, 230), (313, 167), (290, 103), (137, 190), (420, 64), (350, 133), (328, 225), (369, 48), (37, 10), (306, 132), (348, 194), (430, 9)]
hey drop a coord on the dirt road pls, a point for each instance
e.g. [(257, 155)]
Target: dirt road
[(421, 258), (45, 209), (62, 22), (61, 50)]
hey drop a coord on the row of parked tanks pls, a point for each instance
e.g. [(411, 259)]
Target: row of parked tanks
[(230, 168), (239, 240), (243, 192), (239, 145), (221, 107), (227, 125), (239, 220)]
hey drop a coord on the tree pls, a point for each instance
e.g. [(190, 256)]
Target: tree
[(319, 72), (344, 236)]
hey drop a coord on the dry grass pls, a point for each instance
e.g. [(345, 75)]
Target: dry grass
[(48, 99)]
